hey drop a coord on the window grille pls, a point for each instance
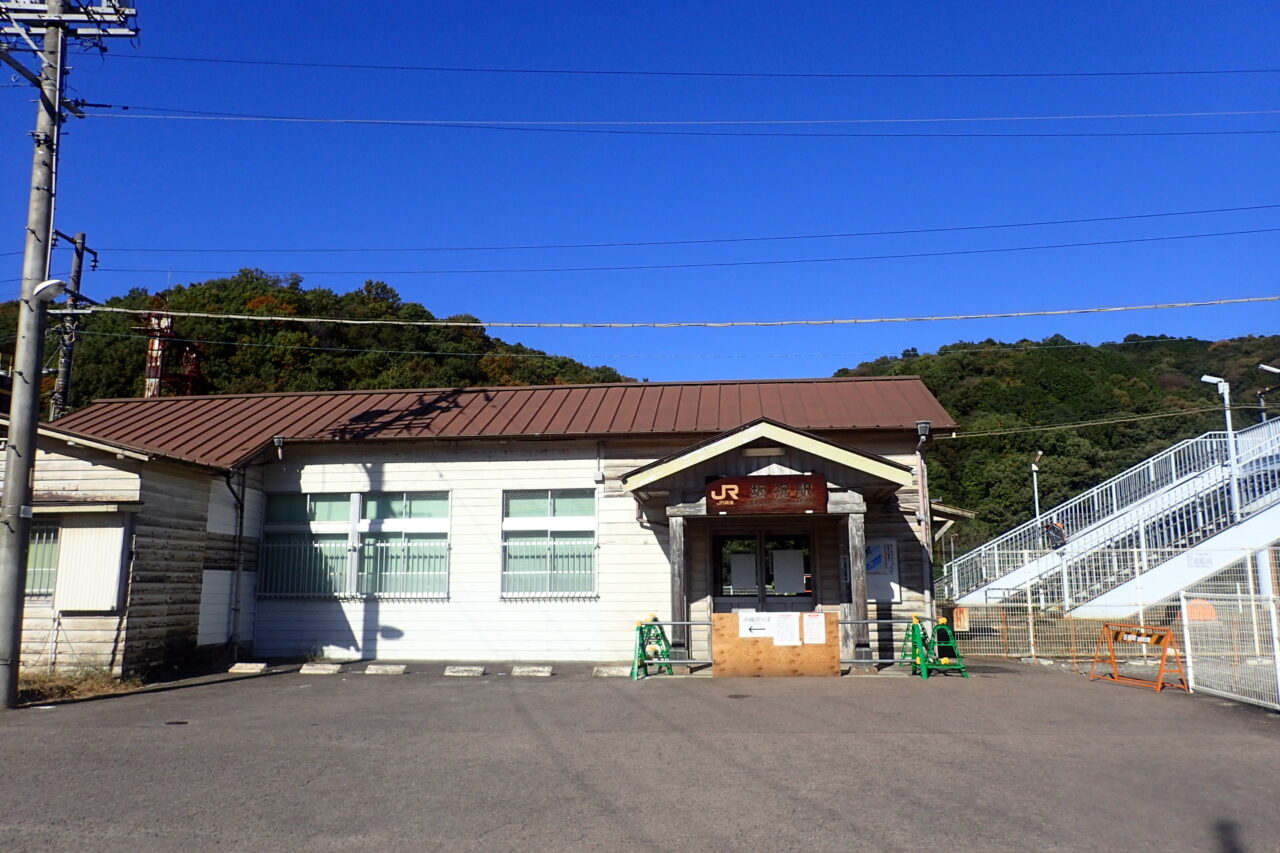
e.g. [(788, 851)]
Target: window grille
[(549, 543), (42, 559), (404, 565)]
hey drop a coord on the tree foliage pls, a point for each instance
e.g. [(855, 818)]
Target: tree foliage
[(251, 356), (990, 385)]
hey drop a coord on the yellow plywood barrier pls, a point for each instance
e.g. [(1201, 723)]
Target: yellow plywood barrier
[(734, 655)]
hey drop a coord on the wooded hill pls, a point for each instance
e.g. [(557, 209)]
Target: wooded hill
[(251, 356), (993, 386), (987, 385)]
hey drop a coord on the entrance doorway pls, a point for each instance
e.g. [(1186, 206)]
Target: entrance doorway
[(762, 571)]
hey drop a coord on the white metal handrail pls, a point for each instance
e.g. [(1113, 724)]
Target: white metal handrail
[(1019, 546), (1164, 526)]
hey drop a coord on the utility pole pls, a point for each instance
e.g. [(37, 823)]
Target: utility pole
[(51, 22), (61, 401)]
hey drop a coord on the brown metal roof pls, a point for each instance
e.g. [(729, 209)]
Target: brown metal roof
[(224, 430)]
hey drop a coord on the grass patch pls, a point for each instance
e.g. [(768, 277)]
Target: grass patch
[(37, 687)]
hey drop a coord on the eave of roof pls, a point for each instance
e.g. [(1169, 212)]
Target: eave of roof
[(726, 442), (225, 431)]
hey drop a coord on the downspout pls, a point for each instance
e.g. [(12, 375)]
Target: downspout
[(236, 576)]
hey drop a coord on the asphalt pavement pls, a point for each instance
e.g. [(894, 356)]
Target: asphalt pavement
[(1016, 758)]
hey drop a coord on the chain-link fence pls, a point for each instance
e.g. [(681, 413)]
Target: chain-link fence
[(1231, 643)]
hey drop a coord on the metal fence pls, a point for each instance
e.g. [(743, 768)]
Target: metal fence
[(554, 565), (398, 568), (1232, 646), (1229, 642)]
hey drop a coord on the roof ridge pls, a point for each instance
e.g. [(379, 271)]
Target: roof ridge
[(471, 389)]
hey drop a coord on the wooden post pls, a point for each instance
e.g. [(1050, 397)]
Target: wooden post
[(855, 637), (679, 598)]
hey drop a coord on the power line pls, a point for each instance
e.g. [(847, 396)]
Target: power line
[(602, 72), (715, 240), (621, 132), (184, 111), (707, 264), (108, 309), (684, 356), (1100, 422)]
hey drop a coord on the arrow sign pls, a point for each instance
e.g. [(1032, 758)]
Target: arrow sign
[(755, 625)]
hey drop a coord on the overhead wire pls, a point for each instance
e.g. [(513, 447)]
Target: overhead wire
[(1082, 424), (752, 263), (679, 324), (611, 356), (705, 240), (234, 117), (614, 72), (731, 122)]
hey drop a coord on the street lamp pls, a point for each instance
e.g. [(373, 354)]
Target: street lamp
[(1225, 390), (1035, 482), (1262, 395), (19, 468)]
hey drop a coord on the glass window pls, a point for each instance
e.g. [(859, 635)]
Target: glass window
[(540, 562), (301, 508), (329, 507), (42, 558), (573, 503), (303, 565), (286, 508), (383, 505), (549, 503), (412, 565), (526, 504)]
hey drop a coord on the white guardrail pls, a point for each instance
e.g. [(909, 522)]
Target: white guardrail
[(1184, 463)]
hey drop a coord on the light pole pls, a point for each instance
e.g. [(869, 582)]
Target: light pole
[(1262, 395), (1035, 482), (1225, 390)]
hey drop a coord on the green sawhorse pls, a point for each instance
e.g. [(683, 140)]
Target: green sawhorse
[(651, 644), (937, 654)]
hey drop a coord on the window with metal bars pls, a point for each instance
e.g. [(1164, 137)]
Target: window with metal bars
[(340, 545), (42, 558), (549, 543)]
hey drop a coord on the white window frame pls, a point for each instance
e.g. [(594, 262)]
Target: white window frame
[(355, 528), (553, 524)]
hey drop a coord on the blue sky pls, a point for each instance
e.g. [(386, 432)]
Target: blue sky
[(135, 183)]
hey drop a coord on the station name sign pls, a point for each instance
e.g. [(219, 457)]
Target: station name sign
[(775, 495)]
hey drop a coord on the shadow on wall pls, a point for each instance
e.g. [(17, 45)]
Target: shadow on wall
[(333, 634)]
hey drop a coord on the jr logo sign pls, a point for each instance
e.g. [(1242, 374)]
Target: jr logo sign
[(781, 495)]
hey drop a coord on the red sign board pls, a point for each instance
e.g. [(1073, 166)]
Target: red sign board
[(781, 495)]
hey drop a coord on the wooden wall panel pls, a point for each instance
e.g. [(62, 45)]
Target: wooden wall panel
[(735, 656)]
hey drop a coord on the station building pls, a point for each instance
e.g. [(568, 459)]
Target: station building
[(516, 523)]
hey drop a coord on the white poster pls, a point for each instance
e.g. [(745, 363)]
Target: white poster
[(788, 572), (815, 628), (882, 571), (755, 625), (786, 629), (742, 571)]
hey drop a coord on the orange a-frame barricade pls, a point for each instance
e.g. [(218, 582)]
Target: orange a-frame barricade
[(1154, 637)]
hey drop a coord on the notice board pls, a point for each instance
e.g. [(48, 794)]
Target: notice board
[(759, 652)]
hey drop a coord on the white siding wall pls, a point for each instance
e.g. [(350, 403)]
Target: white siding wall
[(633, 576), (215, 607)]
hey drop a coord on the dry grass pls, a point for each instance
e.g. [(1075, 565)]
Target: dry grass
[(36, 687)]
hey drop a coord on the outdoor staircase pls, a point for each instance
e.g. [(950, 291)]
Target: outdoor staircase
[(1175, 515)]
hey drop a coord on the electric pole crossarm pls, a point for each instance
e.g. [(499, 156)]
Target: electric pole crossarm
[(34, 79)]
